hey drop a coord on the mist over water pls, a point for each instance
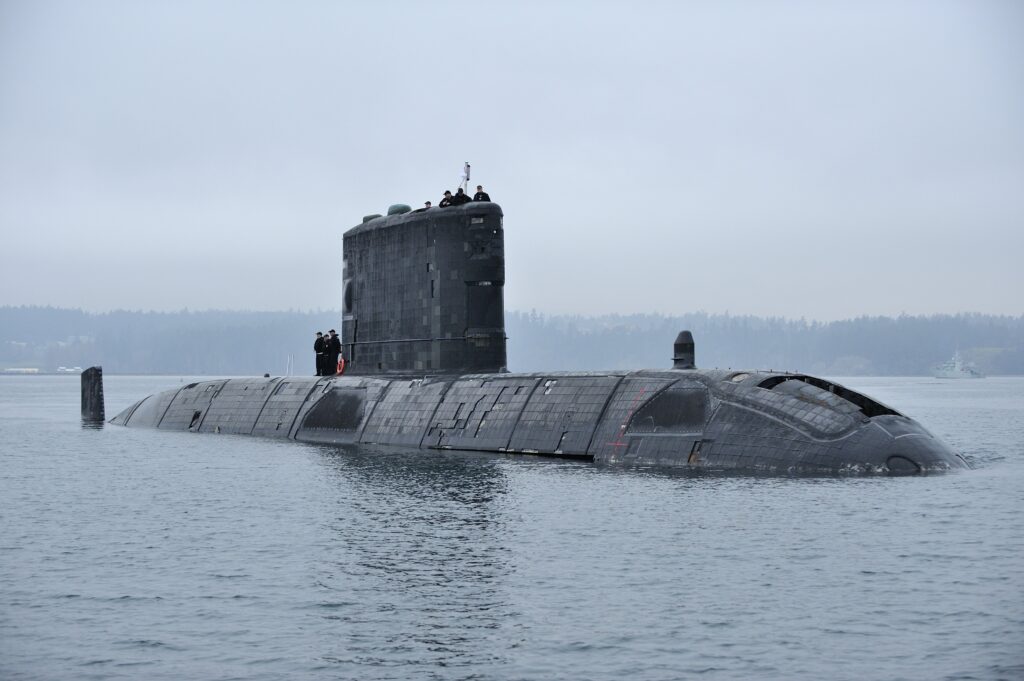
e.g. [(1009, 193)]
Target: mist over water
[(132, 554)]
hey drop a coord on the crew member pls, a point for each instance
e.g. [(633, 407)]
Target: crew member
[(320, 349), (460, 197), (481, 195), (333, 352), (426, 206), (446, 201)]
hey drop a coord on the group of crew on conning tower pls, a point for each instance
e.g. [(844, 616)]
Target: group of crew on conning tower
[(328, 351), (460, 197)]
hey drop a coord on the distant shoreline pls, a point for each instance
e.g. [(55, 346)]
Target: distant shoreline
[(232, 343)]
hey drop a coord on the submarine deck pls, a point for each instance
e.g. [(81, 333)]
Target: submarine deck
[(731, 419)]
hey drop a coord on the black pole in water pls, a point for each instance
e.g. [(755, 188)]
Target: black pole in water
[(92, 396)]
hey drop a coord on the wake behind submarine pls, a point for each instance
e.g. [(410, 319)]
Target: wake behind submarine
[(424, 338)]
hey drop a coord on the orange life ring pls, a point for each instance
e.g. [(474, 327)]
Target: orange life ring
[(341, 365)]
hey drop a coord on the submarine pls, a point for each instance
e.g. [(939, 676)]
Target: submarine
[(424, 341)]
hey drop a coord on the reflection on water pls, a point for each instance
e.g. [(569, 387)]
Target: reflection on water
[(415, 535)]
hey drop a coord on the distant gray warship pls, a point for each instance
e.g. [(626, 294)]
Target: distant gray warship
[(424, 338), (956, 368)]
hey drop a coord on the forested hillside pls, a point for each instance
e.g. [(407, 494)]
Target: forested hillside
[(245, 343)]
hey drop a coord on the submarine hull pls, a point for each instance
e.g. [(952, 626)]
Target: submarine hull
[(697, 419)]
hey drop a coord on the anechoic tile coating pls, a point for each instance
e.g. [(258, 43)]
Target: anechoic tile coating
[(692, 419)]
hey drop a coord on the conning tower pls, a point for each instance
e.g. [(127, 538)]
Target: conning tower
[(424, 291)]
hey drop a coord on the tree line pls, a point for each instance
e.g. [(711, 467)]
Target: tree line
[(247, 343)]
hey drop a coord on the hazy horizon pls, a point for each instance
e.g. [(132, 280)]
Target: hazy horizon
[(781, 159)]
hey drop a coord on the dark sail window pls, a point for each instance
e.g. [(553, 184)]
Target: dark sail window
[(673, 411)]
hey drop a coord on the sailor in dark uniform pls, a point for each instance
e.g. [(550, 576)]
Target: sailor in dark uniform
[(319, 348), (481, 195), (333, 352), (446, 201), (460, 197)]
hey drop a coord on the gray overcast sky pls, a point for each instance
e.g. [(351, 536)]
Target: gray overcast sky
[(807, 159)]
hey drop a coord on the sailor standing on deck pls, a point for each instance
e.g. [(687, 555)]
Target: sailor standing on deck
[(320, 349), (333, 352), (481, 195)]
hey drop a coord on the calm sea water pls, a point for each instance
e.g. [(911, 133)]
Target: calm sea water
[(135, 554)]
